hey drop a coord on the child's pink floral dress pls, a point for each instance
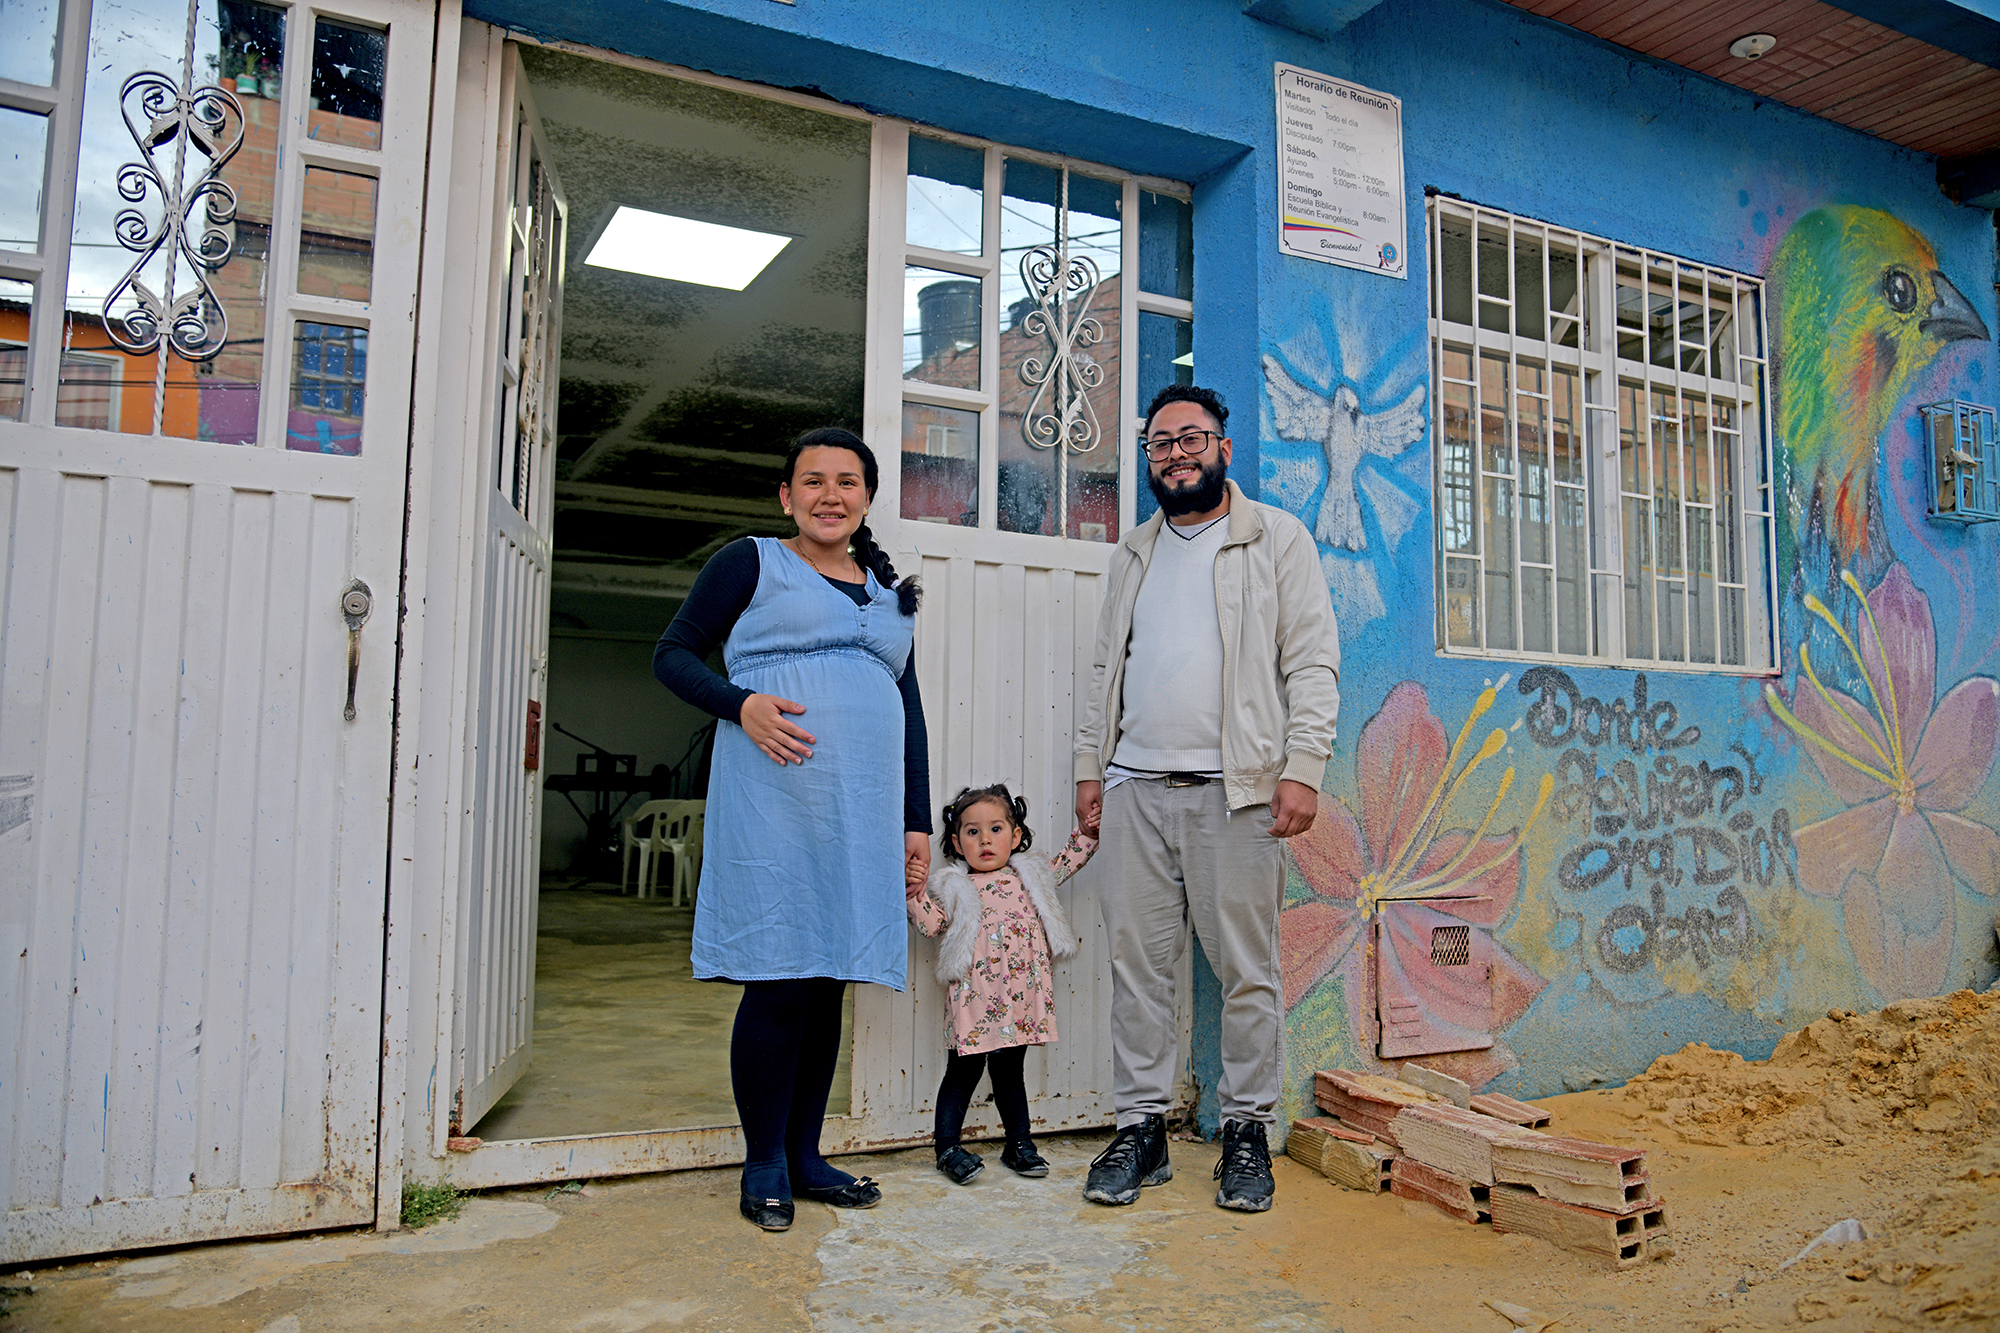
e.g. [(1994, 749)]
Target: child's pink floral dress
[(1010, 998)]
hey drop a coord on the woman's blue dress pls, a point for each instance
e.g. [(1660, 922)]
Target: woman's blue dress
[(802, 865)]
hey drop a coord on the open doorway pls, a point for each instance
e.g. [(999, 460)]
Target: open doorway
[(677, 402)]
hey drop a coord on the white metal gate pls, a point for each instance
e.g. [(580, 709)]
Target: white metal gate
[(495, 992), (197, 634)]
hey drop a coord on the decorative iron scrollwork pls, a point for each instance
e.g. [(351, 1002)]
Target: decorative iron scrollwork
[(161, 114), (1061, 286)]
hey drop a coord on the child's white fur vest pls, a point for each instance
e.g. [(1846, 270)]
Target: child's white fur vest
[(951, 884)]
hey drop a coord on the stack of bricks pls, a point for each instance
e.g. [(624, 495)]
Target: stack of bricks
[(1483, 1159)]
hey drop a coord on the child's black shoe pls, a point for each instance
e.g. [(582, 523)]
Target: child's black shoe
[(1021, 1158), (960, 1165)]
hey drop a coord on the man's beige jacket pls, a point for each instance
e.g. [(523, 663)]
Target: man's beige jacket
[(1280, 653)]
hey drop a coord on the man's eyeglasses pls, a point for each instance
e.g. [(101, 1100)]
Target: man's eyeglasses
[(1193, 443)]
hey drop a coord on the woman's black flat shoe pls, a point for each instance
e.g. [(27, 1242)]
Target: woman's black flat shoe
[(862, 1193), (770, 1214)]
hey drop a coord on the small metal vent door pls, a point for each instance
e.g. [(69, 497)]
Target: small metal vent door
[(1433, 980), (495, 1018)]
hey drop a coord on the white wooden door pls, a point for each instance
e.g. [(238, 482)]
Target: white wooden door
[(198, 626), (1008, 468), (494, 1025)]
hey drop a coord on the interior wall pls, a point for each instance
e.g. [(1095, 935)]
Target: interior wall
[(602, 686)]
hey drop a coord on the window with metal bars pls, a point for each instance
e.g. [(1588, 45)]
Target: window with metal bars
[(1602, 449)]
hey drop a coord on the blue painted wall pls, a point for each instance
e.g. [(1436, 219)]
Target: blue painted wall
[(1520, 114)]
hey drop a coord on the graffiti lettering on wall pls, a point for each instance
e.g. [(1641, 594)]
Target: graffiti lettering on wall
[(1905, 769), (1690, 833)]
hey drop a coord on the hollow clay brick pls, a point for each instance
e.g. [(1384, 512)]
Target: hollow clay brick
[(1451, 1194), (1454, 1140), (1593, 1175), (1513, 1112), (1618, 1240)]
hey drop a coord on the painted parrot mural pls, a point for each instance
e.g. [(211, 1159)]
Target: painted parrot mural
[(1863, 309)]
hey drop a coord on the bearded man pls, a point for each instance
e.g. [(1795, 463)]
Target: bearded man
[(1214, 690)]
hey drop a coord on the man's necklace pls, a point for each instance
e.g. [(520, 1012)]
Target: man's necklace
[(1190, 535)]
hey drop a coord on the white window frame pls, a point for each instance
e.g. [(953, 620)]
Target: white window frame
[(888, 222), (1726, 366), (393, 163)]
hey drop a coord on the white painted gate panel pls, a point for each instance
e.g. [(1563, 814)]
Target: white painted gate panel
[(193, 830), (1003, 659), (495, 992)]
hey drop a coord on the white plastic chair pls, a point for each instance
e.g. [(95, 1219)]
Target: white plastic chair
[(678, 832), (632, 840)]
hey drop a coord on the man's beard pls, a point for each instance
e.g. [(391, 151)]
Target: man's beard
[(1203, 496)]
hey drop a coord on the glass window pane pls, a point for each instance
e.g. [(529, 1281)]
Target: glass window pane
[(1530, 303), (1572, 572), (214, 394), (941, 327), (347, 69), (337, 234), (1565, 298), (1038, 417), (945, 208), (1455, 270), (1500, 557), (1537, 610), (17, 304), (329, 374), (28, 41), (1496, 454), (1166, 354), (1461, 602), (24, 148), (940, 465), (1166, 245)]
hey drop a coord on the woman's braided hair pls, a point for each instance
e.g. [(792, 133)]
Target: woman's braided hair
[(866, 553), (1015, 806)]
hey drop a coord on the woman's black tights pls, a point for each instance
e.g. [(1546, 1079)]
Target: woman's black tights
[(781, 1059), (961, 1076)]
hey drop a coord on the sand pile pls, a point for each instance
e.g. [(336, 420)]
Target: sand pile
[(1930, 1065)]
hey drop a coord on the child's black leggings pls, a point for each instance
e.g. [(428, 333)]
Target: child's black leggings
[(961, 1076)]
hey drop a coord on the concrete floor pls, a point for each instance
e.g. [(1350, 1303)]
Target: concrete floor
[(625, 1037)]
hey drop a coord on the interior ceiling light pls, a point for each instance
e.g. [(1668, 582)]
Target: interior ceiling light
[(684, 250), (1753, 47)]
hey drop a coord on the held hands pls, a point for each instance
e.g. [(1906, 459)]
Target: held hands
[(916, 863), (763, 720), (1294, 806), (1089, 806)]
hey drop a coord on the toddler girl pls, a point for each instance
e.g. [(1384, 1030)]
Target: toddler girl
[(1003, 927)]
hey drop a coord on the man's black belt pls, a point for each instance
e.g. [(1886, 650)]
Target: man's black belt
[(1187, 779)]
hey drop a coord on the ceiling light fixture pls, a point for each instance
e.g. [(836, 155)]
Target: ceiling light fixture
[(1755, 46), (660, 245)]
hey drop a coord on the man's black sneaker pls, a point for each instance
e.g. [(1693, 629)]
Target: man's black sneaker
[(1021, 1158), (1136, 1157), (959, 1164), (1244, 1168)]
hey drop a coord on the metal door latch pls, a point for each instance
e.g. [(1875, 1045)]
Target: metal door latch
[(355, 604)]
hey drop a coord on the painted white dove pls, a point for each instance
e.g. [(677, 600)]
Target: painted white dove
[(1345, 432)]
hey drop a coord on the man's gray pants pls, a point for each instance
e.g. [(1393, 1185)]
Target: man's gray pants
[(1171, 856)]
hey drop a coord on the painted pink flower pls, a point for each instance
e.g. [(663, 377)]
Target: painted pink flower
[(1904, 769), (1399, 850)]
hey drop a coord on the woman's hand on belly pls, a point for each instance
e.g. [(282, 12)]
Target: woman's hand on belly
[(764, 722)]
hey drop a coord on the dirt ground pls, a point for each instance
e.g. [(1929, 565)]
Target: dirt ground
[(1889, 1118)]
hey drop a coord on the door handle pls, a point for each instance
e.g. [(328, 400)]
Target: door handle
[(355, 604)]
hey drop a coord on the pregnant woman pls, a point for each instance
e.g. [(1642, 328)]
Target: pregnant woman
[(821, 760)]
